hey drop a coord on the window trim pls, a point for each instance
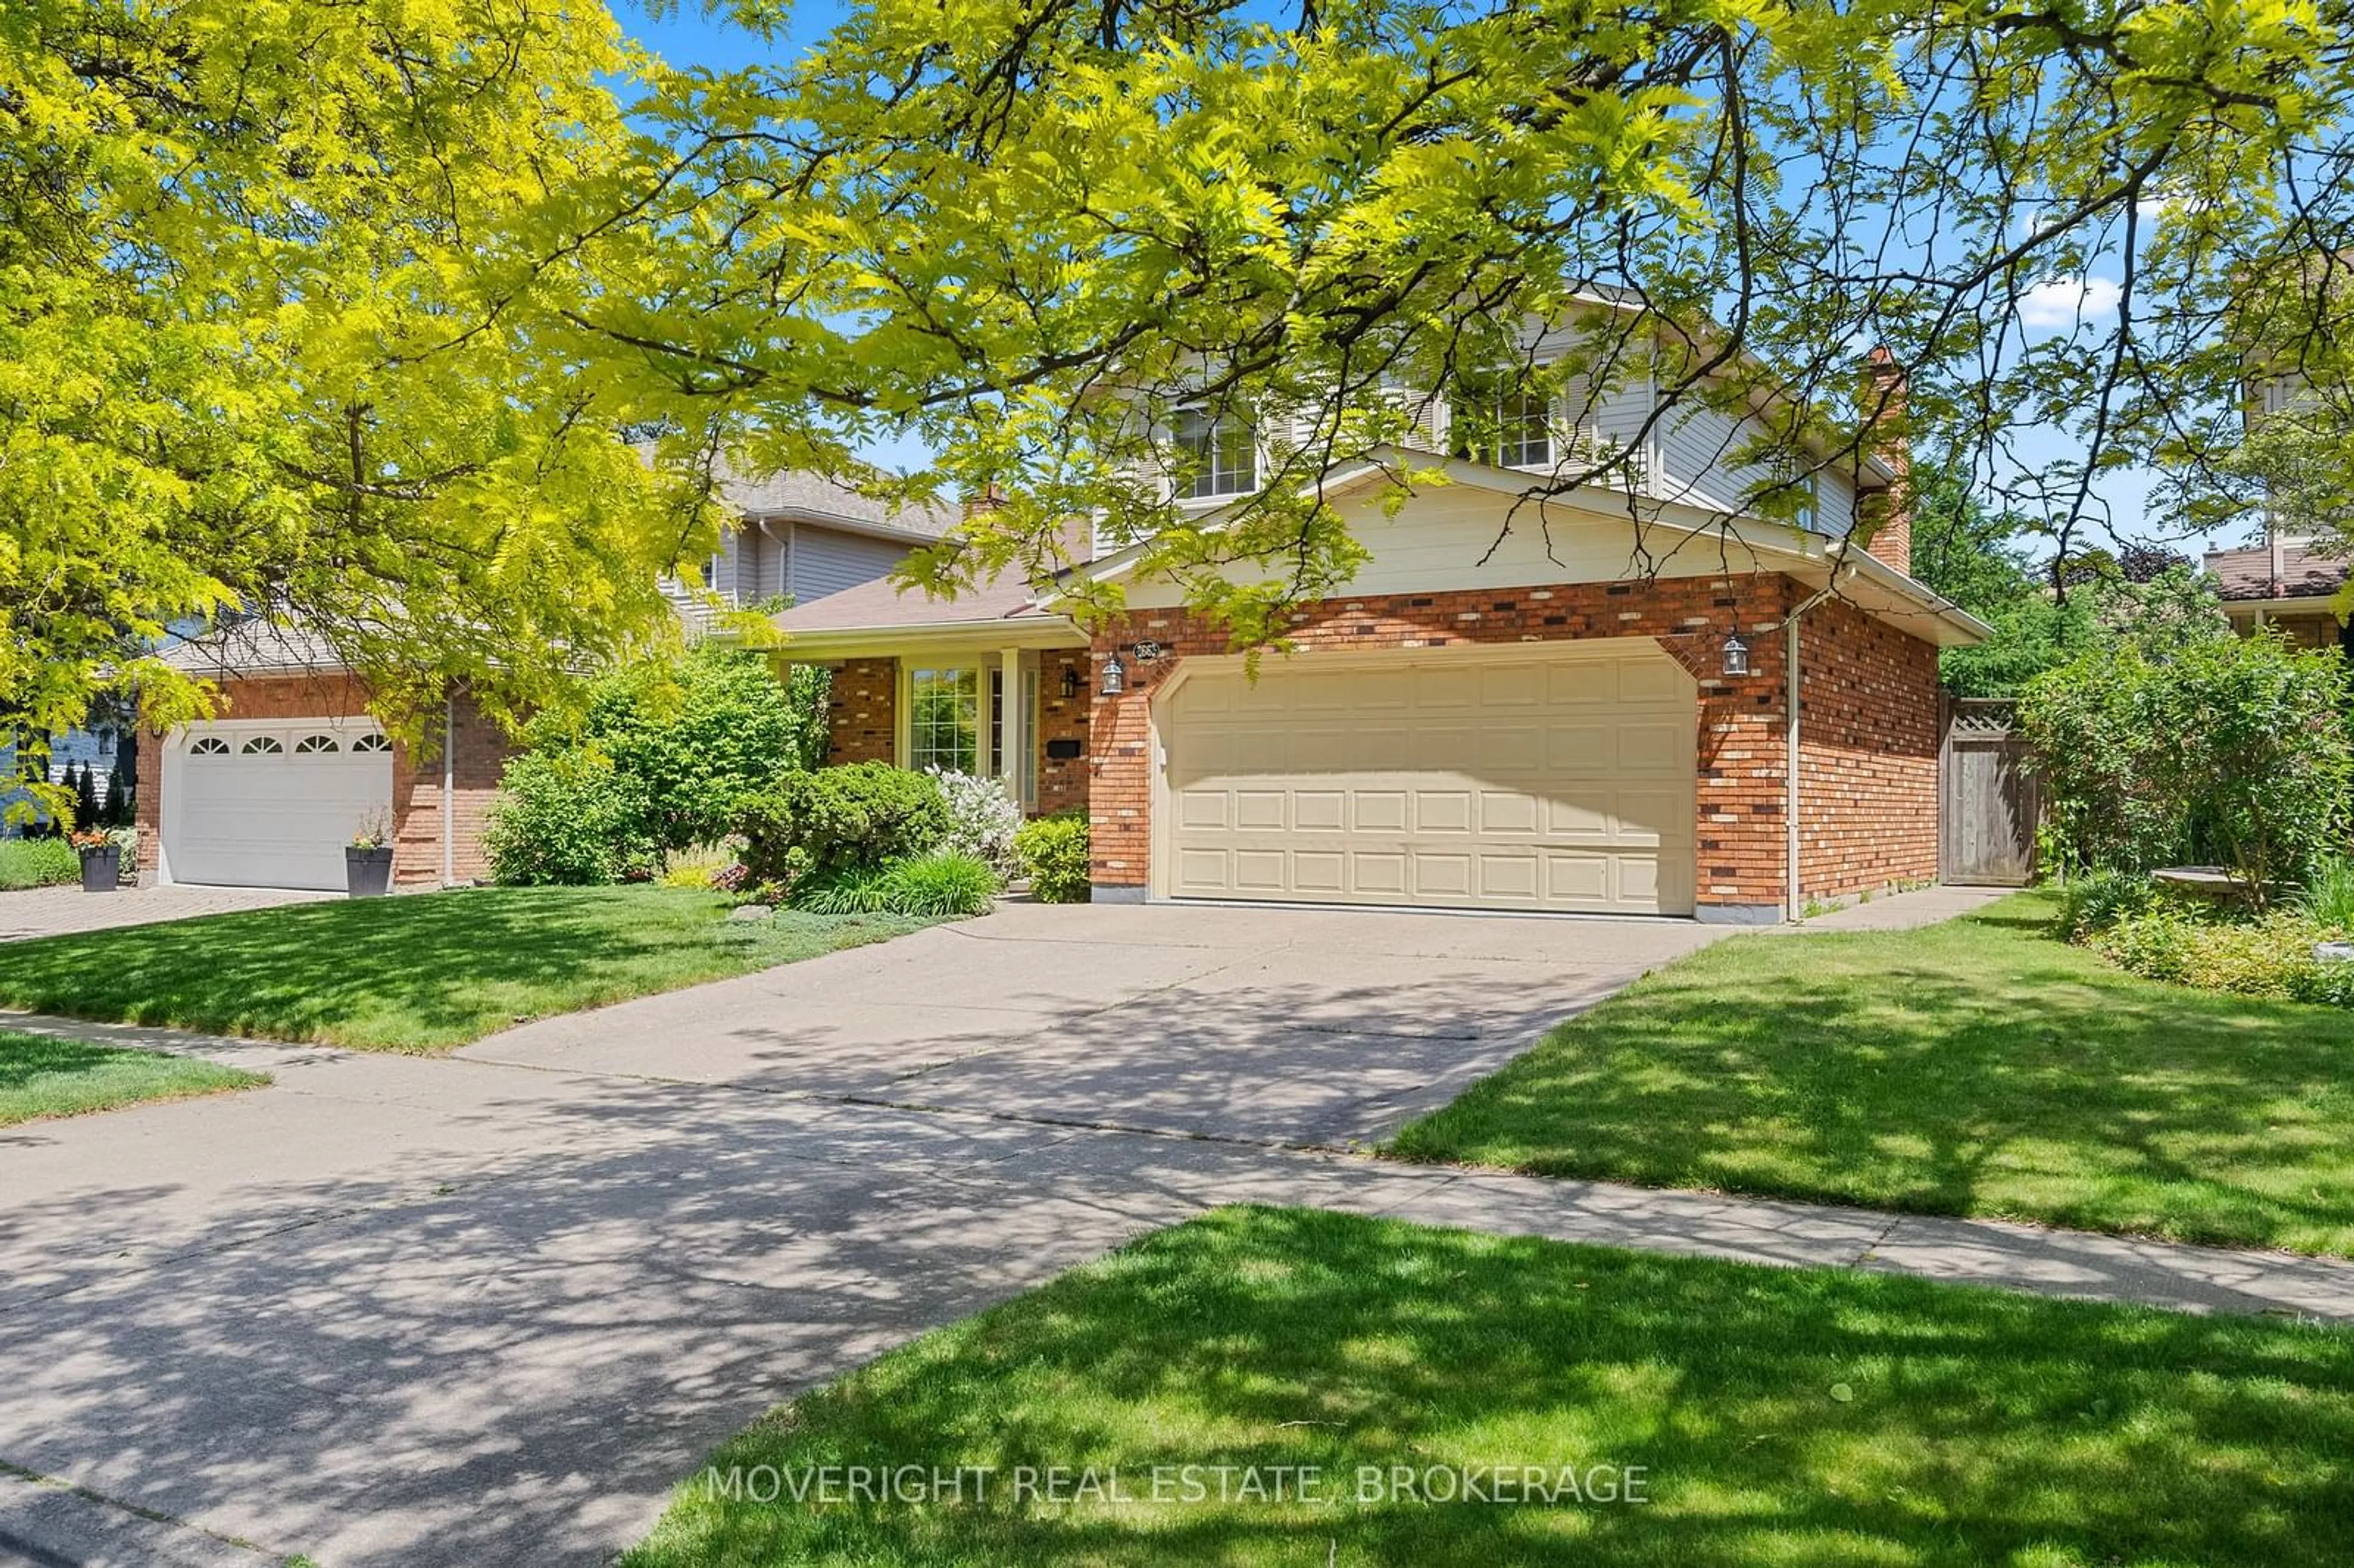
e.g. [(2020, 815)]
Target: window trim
[(1548, 419), (1180, 486), (908, 670)]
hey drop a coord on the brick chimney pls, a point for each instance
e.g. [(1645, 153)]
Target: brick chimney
[(1888, 513)]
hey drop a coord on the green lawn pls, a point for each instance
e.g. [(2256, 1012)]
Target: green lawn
[(1980, 1066), (44, 1077), (1778, 1416), (418, 972)]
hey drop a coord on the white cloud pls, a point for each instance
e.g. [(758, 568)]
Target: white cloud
[(2060, 302)]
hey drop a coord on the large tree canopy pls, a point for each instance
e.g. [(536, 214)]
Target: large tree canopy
[(340, 311), (1024, 229), (271, 342)]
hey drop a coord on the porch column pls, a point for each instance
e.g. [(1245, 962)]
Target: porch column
[(1014, 722)]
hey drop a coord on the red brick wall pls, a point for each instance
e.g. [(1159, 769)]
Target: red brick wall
[(482, 750), (1740, 838), (1867, 754), (480, 755), (863, 714), (1063, 784)]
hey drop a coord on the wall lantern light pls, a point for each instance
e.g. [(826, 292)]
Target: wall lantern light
[(1071, 682), (1115, 676), (1736, 655)]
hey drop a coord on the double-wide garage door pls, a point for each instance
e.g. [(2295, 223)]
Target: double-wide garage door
[(1558, 779), (272, 805)]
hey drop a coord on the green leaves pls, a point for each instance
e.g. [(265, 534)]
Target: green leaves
[(279, 279)]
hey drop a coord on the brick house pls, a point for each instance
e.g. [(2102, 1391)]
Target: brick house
[(2286, 584), (268, 793), (1651, 705)]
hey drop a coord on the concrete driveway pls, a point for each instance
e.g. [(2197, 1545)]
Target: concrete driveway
[(398, 1310), (1274, 1025)]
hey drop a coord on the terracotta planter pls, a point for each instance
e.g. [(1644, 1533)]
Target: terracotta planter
[(102, 869), (368, 873)]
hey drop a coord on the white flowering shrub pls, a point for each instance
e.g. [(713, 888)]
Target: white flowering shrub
[(983, 819)]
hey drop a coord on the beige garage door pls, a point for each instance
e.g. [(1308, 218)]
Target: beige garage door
[(1452, 778)]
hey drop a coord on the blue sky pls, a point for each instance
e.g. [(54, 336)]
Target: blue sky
[(688, 35)]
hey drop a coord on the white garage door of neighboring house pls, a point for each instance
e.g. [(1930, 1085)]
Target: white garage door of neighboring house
[(271, 805), (1559, 780)]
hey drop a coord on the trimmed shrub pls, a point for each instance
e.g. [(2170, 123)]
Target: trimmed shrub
[(840, 821), (38, 862), (569, 818), (1054, 855), (983, 819), (942, 885)]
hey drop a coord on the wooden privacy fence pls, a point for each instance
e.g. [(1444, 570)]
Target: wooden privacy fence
[(1989, 798)]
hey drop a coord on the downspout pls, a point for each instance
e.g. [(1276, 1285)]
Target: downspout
[(449, 790), (1791, 763)]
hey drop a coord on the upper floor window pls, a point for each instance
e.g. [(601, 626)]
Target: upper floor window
[(1220, 454), (1511, 430)]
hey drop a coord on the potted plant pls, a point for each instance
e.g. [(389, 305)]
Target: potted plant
[(101, 859), (368, 859)]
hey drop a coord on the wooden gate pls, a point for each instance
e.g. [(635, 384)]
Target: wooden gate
[(1990, 802)]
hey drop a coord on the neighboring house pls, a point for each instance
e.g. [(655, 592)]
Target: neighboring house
[(1539, 723), (92, 748), (269, 793), (2285, 584)]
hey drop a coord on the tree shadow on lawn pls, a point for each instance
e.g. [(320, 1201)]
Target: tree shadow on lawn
[(1950, 1071), (1800, 1416), (416, 972)]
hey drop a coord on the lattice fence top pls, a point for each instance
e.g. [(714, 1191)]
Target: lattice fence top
[(1983, 715)]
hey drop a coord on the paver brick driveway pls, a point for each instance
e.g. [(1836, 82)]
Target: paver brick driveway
[(405, 1311), (59, 911)]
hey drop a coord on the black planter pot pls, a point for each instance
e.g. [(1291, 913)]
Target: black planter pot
[(102, 869), (368, 871)]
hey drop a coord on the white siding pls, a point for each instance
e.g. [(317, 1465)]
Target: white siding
[(1618, 414), (1835, 499), (824, 561), (1436, 542)]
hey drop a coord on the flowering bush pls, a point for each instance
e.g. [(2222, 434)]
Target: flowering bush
[(983, 819)]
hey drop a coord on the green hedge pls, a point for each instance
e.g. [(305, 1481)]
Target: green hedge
[(1054, 855), (38, 862)]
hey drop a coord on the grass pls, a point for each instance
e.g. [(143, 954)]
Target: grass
[(1779, 1417), (38, 862), (418, 972), (1980, 1066), (43, 1078)]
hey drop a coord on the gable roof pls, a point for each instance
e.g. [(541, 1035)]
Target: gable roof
[(873, 614), (2304, 572), (885, 604), (804, 496)]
